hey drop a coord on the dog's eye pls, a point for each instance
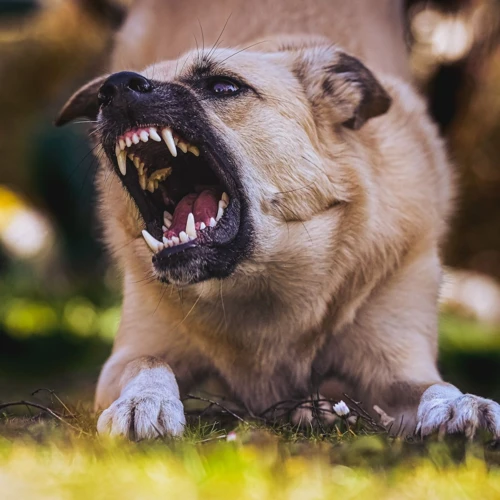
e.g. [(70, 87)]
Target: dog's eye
[(223, 87)]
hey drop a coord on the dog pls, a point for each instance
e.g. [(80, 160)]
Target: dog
[(276, 200)]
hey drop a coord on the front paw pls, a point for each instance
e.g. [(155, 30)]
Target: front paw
[(445, 409), (144, 415)]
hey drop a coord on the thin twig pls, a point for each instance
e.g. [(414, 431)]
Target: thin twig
[(222, 407), (43, 408), (362, 413), (53, 393)]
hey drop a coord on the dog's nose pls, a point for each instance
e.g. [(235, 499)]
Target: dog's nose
[(123, 82)]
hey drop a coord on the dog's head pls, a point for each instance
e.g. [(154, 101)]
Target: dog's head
[(222, 150)]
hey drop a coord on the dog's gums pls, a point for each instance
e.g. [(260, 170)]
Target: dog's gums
[(187, 195)]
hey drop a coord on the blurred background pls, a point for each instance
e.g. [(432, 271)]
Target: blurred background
[(59, 298)]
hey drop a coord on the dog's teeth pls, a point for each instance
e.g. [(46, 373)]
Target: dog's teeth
[(164, 229), (167, 219), (137, 162), (142, 181), (122, 162), (182, 146), (142, 166), (176, 240), (151, 186), (121, 142), (194, 150), (161, 175), (202, 226), (222, 204), (183, 237), (128, 142), (213, 222), (220, 213), (166, 133), (144, 136), (135, 139), (131, 156), (154, 135), (152, 242), (117, 150), (167, 242), (225, 198), (190, 227)]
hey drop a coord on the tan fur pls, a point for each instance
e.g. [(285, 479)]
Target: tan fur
[(345, 274)]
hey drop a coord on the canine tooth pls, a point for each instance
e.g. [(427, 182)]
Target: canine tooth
[(183, 237), (190, 227), (121, 142), (222, 204), (166, 133), (194, 150), (220, 213), (144, 136), (135, 139), (151, 186), (167, 222), (225, 198), (167, 215), (202, 226), (213, 222), (175, 240), (182, 146), (122, 162), (154, 135), (152, 242), (117, 150), (142, 181), (128, 142)]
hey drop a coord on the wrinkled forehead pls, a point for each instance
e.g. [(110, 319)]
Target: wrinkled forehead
[(256, 68)]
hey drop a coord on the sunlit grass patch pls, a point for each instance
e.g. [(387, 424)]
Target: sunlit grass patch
[(44, 459)]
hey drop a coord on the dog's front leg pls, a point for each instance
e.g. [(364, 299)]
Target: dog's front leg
[(148, 405), (389, 356)]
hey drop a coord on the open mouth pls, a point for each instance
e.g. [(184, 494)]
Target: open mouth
[(182, 194)]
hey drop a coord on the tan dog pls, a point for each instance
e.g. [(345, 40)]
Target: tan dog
[(305, 198)]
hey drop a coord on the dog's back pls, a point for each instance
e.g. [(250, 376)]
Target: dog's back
[(372, 30)]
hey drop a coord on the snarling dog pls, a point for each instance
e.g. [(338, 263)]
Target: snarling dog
[(277, 214)]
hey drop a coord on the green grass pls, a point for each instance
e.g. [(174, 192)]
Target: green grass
[(44, 459)]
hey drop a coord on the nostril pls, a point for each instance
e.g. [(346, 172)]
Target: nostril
[(140, 84), (122, 82), (106, 93)]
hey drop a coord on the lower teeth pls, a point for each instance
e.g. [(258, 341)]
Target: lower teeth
[(184, 236)]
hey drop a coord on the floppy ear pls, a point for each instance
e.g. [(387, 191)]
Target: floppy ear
[(340, 86), (83, 103)]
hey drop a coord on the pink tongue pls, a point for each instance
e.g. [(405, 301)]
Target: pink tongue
[(203, 206)]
